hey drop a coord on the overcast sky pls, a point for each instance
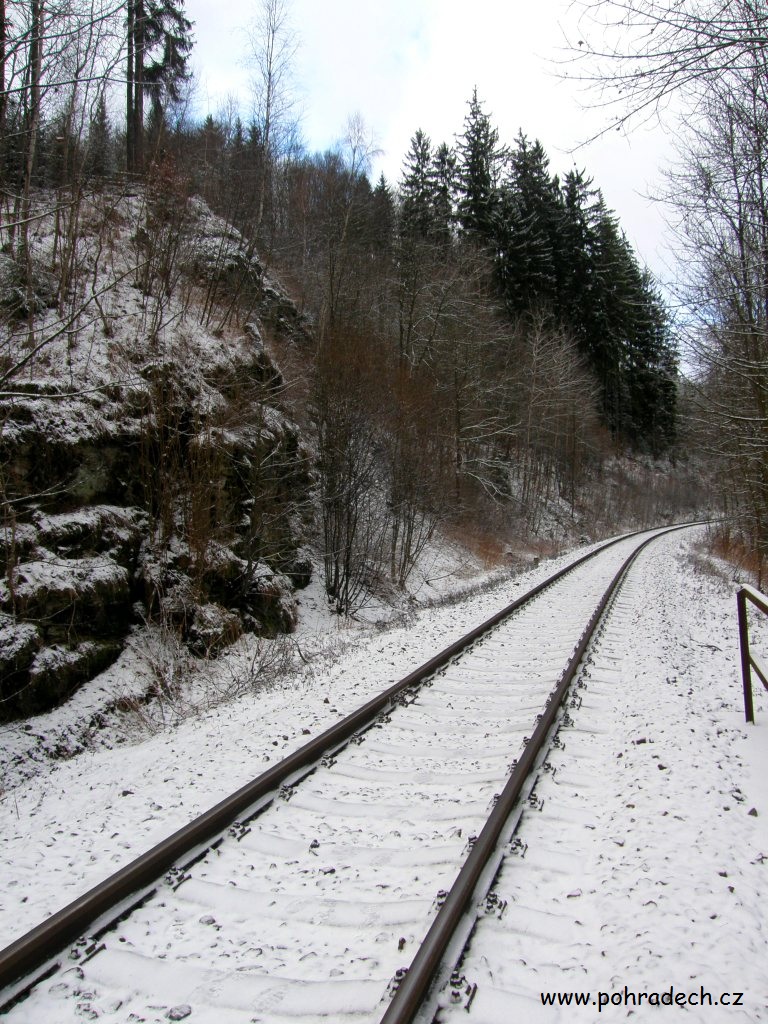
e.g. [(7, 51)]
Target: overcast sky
[(408, 64)]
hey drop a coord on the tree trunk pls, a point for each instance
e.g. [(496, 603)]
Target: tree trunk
[(32, 116), (134, 114), (3, 95), (138, 88), (130, 146)]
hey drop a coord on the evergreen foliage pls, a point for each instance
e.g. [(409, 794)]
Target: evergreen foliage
[(100, 157), (480, 160), (159, 42), (483, 332), (442, 180), (167, 44), (382, 217), (527, 231), (554, 251), (416, 209), (559, 251)]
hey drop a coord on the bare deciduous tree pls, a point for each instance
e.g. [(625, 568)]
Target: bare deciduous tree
[(273, 45), (351, 507), (720, 193), (642, 52), (713, 56)]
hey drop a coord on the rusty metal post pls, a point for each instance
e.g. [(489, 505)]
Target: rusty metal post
[(746, 667)]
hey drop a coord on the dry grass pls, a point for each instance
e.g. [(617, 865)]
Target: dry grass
[(543, 547), (178, 685), (495, 548), (746, 561), (485, 544), (702, 559)]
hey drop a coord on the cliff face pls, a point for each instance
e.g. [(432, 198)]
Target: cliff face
[(148, 467)]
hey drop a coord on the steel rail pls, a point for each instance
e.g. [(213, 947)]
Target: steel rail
[(38, 953), (414, 988)]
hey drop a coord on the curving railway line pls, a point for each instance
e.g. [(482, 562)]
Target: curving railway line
[(345, 882)]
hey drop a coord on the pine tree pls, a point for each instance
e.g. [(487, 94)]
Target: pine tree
[(442, 189), (529, 232), (479, 168), (416, 211), (153, 27)]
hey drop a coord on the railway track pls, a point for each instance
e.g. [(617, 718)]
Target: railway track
[(339, 883), (529, 937)]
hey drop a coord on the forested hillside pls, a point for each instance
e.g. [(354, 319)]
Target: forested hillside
[(226, 360), (701, 66)]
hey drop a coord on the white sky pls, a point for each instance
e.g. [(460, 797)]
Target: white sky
[(408, 64)]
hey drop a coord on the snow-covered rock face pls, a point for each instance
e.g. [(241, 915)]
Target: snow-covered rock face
[(147, 467)]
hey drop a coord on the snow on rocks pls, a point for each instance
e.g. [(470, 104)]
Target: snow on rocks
[(46, 588), (134, 405)]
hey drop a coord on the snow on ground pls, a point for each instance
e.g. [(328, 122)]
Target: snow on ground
[(65, 824), (645, 866), (694, 836)]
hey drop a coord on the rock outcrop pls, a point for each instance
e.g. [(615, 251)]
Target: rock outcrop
[(149, 468)]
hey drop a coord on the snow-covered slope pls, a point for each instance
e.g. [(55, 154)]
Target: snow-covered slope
[(149, 467)]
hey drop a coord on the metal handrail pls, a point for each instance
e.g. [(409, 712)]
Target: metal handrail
[(749, 660)]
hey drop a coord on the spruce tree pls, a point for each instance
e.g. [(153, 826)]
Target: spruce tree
[(442, 188), (605, 314), (557, 250), (528, 268), (650, 371), (159, 44), (100, 162), (382, 217), (416, 211), (626, 338), (580, 205), (479, 169)]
